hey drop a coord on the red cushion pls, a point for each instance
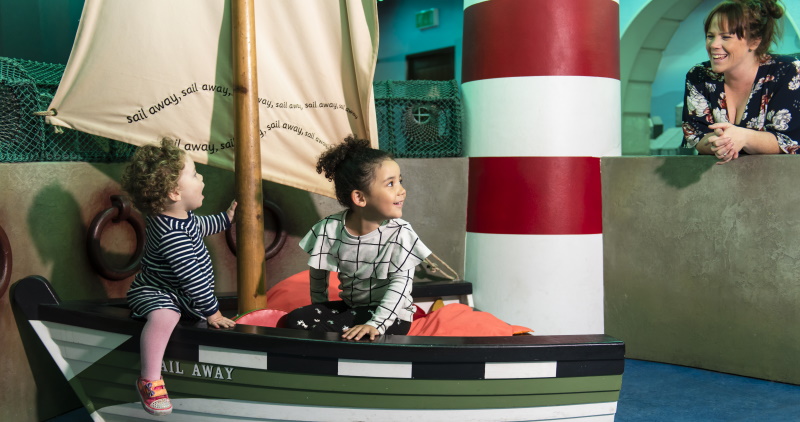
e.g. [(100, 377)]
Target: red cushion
[(263, 318), (418, 312)]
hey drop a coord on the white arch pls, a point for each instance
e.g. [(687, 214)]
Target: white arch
[(641, 48)]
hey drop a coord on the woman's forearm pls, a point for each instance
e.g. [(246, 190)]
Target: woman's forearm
[(759, 142)]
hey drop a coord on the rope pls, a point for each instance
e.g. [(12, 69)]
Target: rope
[(52, 112), (435, 268)]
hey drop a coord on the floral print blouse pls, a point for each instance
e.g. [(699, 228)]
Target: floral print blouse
[(773, 106)]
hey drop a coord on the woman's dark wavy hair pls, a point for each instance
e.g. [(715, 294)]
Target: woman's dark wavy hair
[(152, 174), (751, 20), (351, 166)]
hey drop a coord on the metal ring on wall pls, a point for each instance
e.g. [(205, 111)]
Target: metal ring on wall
[(280, 232), (5, 262), (121, 210)]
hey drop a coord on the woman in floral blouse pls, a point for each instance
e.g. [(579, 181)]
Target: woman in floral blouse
[(743, 100)]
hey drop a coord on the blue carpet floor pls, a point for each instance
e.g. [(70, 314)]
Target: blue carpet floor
[(657, 392)]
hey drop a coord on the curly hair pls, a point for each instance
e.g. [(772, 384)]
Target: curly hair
[(751, 20), (153, 174), (351, 166)]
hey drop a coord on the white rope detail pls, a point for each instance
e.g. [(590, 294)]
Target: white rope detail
[(435, 268), (52, 112)]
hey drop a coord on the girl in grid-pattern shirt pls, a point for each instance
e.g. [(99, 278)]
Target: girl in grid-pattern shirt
[(368, 244)]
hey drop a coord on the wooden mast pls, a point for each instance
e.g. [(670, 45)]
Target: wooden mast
[(250, 211)]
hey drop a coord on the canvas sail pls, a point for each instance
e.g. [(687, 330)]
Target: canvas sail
[(147, 69)]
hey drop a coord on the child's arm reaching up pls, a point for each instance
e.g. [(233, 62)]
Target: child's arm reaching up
[(217, 320), (232, 211), (212, 224)]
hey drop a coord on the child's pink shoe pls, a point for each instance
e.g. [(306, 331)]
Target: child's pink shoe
[(154, 396)]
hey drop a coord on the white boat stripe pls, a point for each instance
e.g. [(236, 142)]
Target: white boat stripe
[(44, 335), (515, 370), (232, 357), (74, 353), (87, 336), (207, 410), (63, 343), (375, 369)]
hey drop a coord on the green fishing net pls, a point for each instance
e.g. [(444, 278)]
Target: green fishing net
[(27, 87), (419, 119), (416, 119)]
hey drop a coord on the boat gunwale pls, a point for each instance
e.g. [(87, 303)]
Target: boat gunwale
[(114, 316), (100, 315)]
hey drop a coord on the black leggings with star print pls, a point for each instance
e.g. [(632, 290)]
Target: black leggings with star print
[(337, 317)]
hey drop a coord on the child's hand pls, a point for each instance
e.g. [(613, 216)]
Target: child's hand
[(232, 210), (219, 321), (360, 331)]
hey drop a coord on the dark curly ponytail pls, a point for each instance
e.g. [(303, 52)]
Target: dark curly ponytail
[(751, 20), (351, 166)]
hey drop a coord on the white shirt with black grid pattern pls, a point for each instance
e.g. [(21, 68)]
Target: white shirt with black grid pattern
[(375, 269)]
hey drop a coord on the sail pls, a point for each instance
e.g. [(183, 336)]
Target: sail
[(143, 70)]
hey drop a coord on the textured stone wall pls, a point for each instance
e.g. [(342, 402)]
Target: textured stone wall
[(701, 262)]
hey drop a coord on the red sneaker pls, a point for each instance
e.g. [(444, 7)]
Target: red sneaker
[(154, 396)]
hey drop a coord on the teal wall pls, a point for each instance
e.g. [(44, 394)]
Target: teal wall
[(628, 9), (40, 30), (400, 37), (43, 30)]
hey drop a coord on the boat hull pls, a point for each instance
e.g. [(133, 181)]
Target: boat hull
[(257, 373)]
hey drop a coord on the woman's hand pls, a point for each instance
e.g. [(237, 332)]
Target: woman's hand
[(219, 321), (232, 210), (726, 142), (360, 331)]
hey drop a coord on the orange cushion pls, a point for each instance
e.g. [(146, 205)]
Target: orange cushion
[(458, 320), (451, 320), (294, 292)]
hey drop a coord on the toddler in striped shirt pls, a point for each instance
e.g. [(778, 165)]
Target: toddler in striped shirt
[(176, 277)]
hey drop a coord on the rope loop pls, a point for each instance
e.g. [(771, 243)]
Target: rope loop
[(121, 211), (280, 232), (5, 262)]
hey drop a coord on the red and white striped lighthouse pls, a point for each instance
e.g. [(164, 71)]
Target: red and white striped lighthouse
[(541, 90)]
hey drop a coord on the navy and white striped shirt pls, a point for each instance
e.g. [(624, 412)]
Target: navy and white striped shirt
[(176, 267)]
